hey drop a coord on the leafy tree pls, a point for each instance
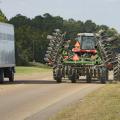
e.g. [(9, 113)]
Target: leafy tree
[(31, 34), (23, 45), (112, 32), (20, 20), (104, 27), (89, 26), (2, 17), (73, 27)]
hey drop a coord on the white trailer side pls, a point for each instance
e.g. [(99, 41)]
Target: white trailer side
[(7, 51)]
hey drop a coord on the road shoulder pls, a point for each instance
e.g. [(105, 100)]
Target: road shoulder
[(61, 104)]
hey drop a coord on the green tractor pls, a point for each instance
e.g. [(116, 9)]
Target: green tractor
[(90, 56)]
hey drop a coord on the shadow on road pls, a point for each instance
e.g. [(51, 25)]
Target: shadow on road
[(83, 81), (30, 82)]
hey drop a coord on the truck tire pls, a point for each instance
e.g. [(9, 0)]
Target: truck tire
[(11, 76), (1, 76)]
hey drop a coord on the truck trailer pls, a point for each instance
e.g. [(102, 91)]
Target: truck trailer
[(7, 52)]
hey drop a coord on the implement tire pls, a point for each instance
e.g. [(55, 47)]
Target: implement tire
[(88, 76), (103, 77), (58, 76), (72, 75)]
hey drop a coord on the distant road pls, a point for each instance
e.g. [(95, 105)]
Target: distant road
[(38, 97)]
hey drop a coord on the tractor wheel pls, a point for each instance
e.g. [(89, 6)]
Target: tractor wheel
[(102, 80), (58, 75), (63, 72), (88, 79), (54, 73), (103, 77), (77, 74), (72, 75), (66, 70), (107, 75), (69, 73), (88, 76)]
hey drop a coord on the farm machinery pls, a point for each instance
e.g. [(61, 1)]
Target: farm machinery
[(88, 55)]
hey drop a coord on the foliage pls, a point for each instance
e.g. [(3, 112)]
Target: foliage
[(31, 34), (2, 17)]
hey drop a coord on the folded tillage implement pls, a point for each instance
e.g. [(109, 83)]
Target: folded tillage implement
[(90, 55)]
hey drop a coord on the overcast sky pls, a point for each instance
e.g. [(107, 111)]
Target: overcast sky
[(100, 11)]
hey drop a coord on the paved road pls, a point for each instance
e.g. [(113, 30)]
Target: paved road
[(38, 97)]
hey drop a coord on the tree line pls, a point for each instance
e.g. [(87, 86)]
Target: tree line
[(31, 33)]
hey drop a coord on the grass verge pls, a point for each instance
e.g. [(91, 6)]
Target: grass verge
[(103, 104), (29, 70)]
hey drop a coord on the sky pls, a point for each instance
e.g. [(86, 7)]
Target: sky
[(100, 11)]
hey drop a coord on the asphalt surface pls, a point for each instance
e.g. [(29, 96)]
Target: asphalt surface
[(38, 96)]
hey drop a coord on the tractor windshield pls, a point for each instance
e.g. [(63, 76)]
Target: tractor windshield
[(88, 42)]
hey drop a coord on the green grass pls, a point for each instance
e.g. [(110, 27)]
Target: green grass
[(28, 70), (103, 104)]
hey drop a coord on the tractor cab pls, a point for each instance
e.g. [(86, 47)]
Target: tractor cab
[(84, 50), (86, 40), (85, 43)]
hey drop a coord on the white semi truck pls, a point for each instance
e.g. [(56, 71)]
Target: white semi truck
[(7, 52)]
